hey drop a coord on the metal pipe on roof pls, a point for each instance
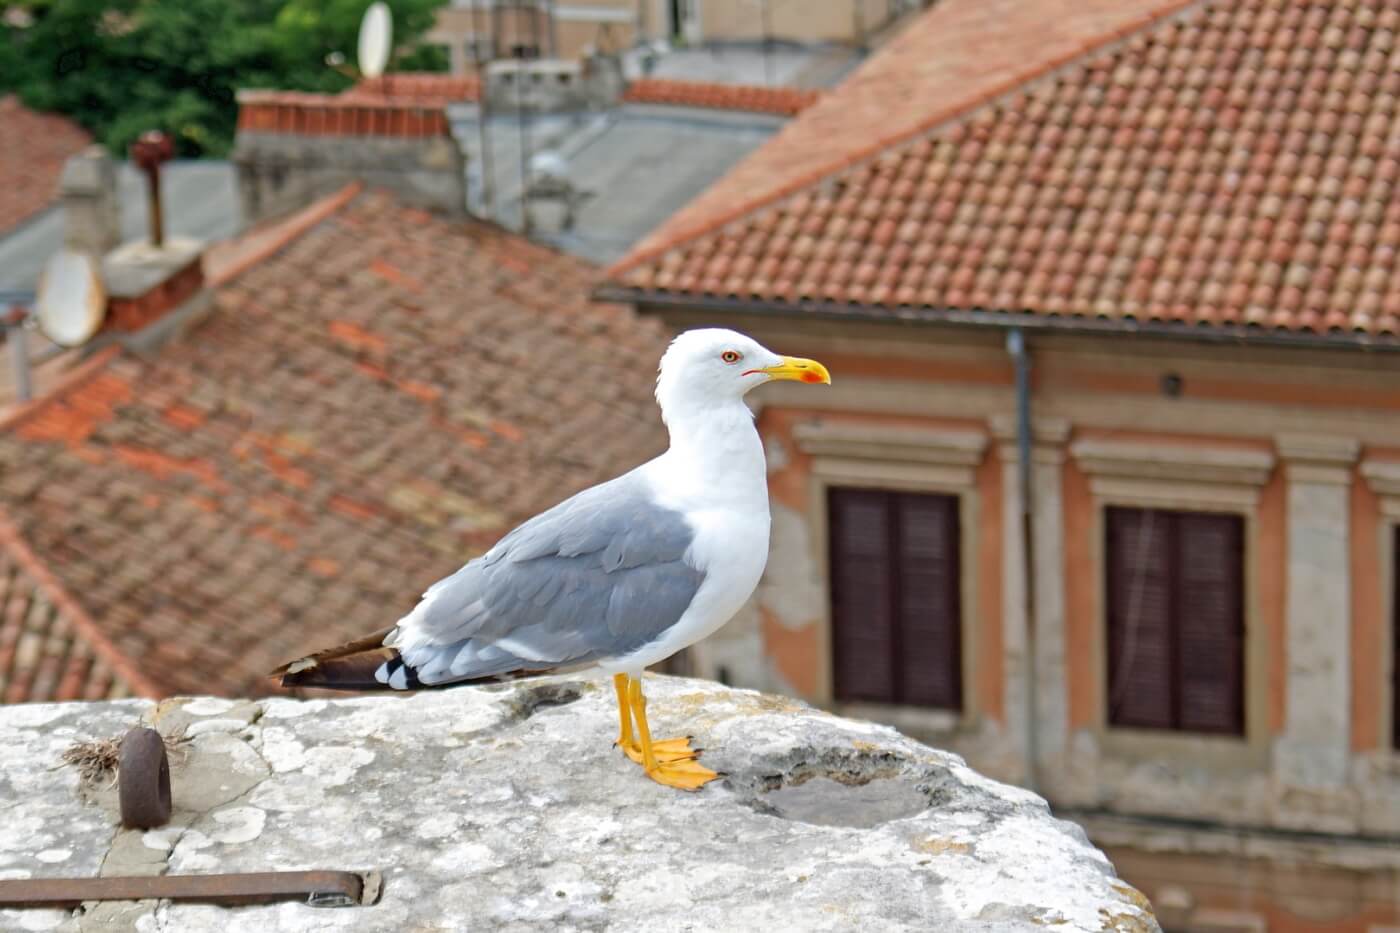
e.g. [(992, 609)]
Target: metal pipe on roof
[(151, 150), (482, 110), (767, 14), (1016, 347), (18, 339)]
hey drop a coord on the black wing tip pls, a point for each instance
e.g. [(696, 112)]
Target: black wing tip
[(396, 664)]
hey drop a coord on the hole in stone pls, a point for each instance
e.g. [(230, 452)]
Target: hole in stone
[(826, 802), (835, 788), (530, 700)]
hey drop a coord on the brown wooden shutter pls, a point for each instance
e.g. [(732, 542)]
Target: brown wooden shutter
[(928, 642), (1175, 620), (896, 615), (1139, 619), (1210, 623), (862, 595)]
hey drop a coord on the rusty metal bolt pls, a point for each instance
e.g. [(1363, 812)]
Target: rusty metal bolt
[(143, 780)]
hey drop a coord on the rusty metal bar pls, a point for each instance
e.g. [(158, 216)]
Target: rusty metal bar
[(151, 150), (318, 888)]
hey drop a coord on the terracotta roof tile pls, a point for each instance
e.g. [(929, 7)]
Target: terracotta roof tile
[(1233, 165), (44, 656), (31, 161), (424, 87), (784, 101), (364, 409)]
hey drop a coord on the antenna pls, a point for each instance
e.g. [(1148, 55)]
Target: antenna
[(376, 39), (71, 301)]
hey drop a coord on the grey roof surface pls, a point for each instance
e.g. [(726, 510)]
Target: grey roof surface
[(641, 163), (789, 64), (200, 198)]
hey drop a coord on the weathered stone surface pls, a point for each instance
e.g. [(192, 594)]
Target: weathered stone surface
[(507, 808)]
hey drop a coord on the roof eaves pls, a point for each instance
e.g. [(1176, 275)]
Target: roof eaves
[(74, 378), (998, 319), (83, 624)]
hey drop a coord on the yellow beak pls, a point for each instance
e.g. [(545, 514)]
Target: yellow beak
[(795, 367)]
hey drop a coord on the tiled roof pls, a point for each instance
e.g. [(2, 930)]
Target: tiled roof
[(783, 101), (31, 160), (346, 114), (440, 89), (360, 413), (1235, 167), (49, 649)]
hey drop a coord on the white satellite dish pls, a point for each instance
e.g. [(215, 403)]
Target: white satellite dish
[(376, 39), (71, 302)]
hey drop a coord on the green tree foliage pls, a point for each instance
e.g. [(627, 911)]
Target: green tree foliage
[(121, 67)]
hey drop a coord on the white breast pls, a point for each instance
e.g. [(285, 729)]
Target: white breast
[(721, 486)]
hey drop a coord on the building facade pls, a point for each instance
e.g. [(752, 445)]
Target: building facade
[(568, 29), (1104, 493), (1198, 656)]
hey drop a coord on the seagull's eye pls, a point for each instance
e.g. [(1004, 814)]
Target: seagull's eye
[(731, 356)]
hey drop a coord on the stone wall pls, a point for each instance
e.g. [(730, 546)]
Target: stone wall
[(508, 808), (294, 148)]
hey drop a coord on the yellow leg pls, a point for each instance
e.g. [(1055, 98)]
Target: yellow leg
[(664, 749), (685, 773), (624, 715)]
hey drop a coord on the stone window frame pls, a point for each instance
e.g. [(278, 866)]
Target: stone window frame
[(1188, 478), (897, 458), (1383, 476)]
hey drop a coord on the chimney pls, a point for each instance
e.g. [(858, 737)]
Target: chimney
[(154, 283), (552, 85), (293, 148), (158, 278), (88, 191)]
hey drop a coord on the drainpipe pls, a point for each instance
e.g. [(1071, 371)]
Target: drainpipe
[(1016, 346)]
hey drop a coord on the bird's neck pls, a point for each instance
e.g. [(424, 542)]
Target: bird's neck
[(716, 454)]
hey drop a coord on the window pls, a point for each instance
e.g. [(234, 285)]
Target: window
[(1175, 620), (896, 612)]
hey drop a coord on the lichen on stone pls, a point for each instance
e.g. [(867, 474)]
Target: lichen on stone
[(509, 807)]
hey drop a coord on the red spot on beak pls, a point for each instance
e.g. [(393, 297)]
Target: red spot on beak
[(811, 377)]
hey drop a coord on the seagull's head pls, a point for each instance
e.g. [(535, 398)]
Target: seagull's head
[(709, 367)]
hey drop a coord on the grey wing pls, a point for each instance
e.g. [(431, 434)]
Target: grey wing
[(597, 576)]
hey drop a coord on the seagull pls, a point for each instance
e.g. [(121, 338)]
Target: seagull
[(614, 579)]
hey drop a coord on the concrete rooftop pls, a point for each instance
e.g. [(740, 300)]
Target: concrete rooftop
[(200, 198)]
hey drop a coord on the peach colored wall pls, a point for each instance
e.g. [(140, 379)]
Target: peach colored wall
[(1310, 394), (990, 635), (788, 485), (889, 367), (1081, 599), (1179, 440), (1271, 568), (1370, 616), (796, 653)]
